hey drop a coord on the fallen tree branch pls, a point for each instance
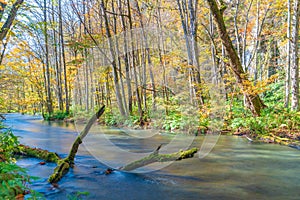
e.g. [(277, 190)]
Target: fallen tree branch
[(64, 164), (156, 157), (38, 153), (2, 117)]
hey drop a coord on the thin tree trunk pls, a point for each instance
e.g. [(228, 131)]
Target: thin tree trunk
[(126, 58), (63, 58), (86, 65), (255, 104), (57, 66), (295, 58), (182, 11), (137, 93), (3, 49), (273, 58), (190, 35), (288, 57), (244, 41), (194, 45), (11, 17), (257, 42), (213, 48), (113, 57), (161, 51), (118, 57), (236, 29), (47, 67), (149, 62)]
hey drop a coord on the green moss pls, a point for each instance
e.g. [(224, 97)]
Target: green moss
[(38, 153), (59, 171)]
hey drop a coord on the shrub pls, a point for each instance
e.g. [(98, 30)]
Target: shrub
[(13, 179), (57, 115)]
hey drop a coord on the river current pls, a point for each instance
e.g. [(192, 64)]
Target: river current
[(234, 169)]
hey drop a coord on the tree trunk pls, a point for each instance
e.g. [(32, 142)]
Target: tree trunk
[(63, 58), (47, 67), (182, 11), (113, 61), (295, 58), (11, 17), (255, 104), (244, 40), (68, 162), (126, 58), (188, 13), (288, 58), (236, 28), (137, 93), (57, 65), (118, 58), (149, 61), (156, 157)]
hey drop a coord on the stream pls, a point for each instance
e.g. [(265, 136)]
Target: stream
[(234, 169)]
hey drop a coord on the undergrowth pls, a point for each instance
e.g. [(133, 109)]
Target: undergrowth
[(14, 180)]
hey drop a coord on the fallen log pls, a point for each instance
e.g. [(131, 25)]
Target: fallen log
[(37, 152), (156, 157), (65, 164)]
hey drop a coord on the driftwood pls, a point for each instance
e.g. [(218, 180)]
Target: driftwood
[(65, 164)]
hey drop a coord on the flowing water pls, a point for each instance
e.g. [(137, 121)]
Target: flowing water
[(234, 169)]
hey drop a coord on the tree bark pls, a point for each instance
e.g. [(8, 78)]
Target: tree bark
[(135, 78), (113, 61), (288, 58), (68, 162), (255, 104), (47, 67), (57, 64), (156, 157), (118, 58), (149, 61), (295, 58), (126, 58), (63, 58), (11, 17), (187, 13), (244, 36)]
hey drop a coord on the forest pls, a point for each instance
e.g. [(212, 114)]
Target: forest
[(180, 66)]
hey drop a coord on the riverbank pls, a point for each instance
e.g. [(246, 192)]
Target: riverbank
[(259, 129)]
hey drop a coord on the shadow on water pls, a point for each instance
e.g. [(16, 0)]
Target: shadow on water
[(235, 169)]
